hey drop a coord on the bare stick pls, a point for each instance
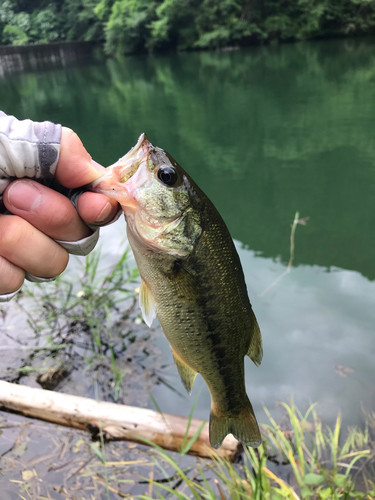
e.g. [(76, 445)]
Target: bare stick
[(289, 266), (118, 422)]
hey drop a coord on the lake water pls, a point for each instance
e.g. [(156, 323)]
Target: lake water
[(265, 132)]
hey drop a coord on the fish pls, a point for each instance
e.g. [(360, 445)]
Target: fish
[(191, 280)]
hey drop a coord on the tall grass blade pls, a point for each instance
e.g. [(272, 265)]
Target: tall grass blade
[(188, 426)]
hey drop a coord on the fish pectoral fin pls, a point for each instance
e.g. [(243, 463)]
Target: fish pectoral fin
[(255, 351), (147, 303), (186, 373)]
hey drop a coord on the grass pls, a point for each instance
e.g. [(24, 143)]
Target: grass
[(84, 302), (319, 463)]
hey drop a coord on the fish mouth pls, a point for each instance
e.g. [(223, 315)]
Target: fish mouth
[(113, 182)]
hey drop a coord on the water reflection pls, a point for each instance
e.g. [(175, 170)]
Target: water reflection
[(265, 132)]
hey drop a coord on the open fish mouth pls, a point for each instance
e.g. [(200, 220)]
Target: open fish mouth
[(116, 176)]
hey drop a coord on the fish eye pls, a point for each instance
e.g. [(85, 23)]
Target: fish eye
[(167, 175)]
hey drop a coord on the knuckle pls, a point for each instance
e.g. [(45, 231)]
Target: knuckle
[(59, 259), (72, 140), (26, 247), (62, 216), (11, 277), (12, 233), (69, 134)]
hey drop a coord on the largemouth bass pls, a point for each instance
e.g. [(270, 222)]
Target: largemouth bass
[(191, 280)]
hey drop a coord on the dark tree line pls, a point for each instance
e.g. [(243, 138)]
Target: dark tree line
[(139, 25)]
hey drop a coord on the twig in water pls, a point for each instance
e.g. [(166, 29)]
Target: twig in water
[(296, 221), (218, 487), (102, 454), (79, 470), (99, 478), (151, 483)]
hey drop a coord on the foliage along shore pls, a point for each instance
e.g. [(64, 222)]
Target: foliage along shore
[(148, 25)]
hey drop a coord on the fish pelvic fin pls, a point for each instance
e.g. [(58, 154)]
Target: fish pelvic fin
[(243, 426), (147, 303), (255, 351), (186, 373)]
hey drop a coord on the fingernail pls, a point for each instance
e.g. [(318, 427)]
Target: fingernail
[(25, 196), (105, 213)]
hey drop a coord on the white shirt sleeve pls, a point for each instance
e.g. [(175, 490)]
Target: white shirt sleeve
[(27, 149)]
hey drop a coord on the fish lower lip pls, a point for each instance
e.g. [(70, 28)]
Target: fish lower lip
[(102, 184), (108, 186)]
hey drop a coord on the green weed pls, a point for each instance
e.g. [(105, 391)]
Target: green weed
[(318, 463), (87, 323)]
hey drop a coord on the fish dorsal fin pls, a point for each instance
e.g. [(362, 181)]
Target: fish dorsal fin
[(255, 351), (147, 303), (186, 373)]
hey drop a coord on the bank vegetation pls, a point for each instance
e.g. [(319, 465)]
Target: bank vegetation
[(126, 26)]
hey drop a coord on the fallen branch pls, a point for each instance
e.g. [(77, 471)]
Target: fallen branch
[(117, 422)]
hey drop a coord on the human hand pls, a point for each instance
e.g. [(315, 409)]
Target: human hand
[(42, 215)]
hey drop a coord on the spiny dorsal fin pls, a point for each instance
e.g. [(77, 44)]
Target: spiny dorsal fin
[(186, 373), (255, 351), (147, 303)]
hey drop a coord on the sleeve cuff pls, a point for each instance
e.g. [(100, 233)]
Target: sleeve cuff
[(6, 297), (38, 279), (82, 247)]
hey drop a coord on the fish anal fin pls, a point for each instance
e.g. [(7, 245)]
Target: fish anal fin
[(147, 303), (186, 373), (255, 351), (243, 426)]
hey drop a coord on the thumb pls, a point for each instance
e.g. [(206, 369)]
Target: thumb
[(75, 167)]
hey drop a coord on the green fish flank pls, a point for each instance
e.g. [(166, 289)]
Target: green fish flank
[(192, 276)]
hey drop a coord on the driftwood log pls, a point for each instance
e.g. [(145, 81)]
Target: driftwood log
[(117, 422)]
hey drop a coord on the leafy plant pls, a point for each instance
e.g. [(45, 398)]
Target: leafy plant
[(127, 27), (14, 35)]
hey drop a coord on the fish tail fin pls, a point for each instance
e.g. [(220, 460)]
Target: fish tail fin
[(243, 426)]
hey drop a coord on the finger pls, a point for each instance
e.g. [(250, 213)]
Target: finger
[(75, 168), (95, 208), (11, 276), (29, 249), (49, 211)]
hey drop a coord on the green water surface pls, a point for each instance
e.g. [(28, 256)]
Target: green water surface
[(265, 132)]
